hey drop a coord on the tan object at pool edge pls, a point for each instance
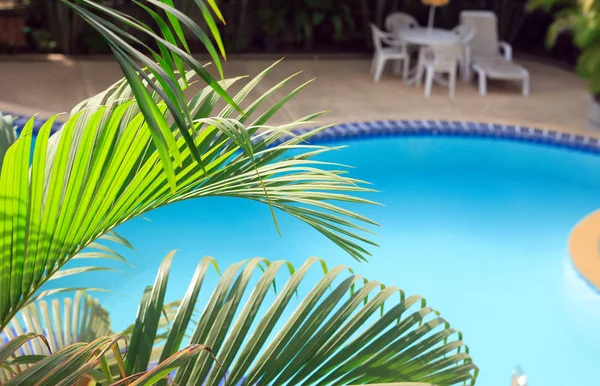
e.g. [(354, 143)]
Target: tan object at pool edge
[(584, 248)]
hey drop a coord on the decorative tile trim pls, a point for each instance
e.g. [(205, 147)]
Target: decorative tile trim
[(419, 128)]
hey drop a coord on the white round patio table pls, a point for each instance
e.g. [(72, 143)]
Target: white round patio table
[(426, 37)]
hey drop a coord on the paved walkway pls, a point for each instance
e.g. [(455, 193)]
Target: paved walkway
[(559, 99)]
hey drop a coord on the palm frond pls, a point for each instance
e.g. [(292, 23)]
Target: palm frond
[(68, 365), (100, 170), (330, 330), (141, 63), (78, 319)]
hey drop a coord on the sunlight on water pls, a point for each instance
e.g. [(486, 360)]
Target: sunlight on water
[(582, 304)]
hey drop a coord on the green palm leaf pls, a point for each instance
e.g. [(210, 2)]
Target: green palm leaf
[(78, 363), (141, 63), (338, 329), (77, 319), (100, 170), (68, 365)]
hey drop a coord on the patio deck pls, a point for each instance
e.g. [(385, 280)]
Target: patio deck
[(558, 99)]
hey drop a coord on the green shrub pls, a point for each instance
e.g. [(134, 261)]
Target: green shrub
[(582, 19)]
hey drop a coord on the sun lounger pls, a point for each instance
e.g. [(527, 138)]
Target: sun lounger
[(487, 59)]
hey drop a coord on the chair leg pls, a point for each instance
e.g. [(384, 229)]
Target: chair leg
[(420, 68), (405, 69), (468, 67), (482, 84), (467, 70), (526, 84), (429, 81), (378, 69), (482, 80), (373, 64), (464, 67), (452, 83)]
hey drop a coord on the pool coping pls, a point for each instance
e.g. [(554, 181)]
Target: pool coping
[(583, 240)]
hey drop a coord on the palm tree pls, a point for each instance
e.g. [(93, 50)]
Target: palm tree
[(141, 145)]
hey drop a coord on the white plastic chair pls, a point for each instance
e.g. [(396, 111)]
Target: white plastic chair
[(465, 33), (394, 50), (398, 21), (439, 59)]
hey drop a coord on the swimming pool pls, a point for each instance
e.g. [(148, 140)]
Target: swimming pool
[(478, 226)]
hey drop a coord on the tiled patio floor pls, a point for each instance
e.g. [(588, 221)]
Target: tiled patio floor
[(558, 100)]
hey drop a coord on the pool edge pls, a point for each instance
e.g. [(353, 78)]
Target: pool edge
[(383, 128)]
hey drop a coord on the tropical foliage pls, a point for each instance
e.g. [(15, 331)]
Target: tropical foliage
[(582, 19), (338, 25), (143, 144), (338, 329)]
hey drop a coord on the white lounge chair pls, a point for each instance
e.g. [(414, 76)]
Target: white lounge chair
[(465, 33), (439, 59), (486, 58), (393, 51)]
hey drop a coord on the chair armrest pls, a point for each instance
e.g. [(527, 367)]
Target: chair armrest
[(392, 39), (506, 50)]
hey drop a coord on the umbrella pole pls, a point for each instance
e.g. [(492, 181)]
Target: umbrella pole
[(431, 17)]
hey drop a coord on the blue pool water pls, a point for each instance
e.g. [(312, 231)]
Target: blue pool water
[(477, 226)]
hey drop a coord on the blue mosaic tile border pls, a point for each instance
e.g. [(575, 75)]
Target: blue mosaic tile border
[(384, 128)]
